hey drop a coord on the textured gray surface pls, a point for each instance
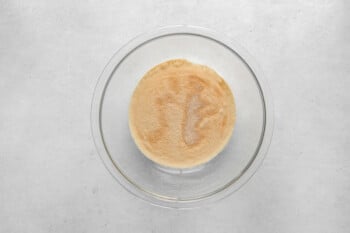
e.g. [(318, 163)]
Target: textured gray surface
[(51, 178)]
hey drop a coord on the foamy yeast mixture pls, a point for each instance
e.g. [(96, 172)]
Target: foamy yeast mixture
[(181, 114)]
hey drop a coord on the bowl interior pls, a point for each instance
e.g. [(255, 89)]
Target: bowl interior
[(117, 148)]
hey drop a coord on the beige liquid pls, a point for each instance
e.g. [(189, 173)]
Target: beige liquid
[(181, 114)]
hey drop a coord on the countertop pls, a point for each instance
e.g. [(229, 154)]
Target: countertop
[(51, 177)]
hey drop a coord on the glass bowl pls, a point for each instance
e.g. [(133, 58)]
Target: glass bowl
[(182, 188)]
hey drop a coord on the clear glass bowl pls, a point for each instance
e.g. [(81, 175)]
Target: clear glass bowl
[(181, 188)]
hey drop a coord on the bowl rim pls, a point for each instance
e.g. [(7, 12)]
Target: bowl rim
[(97, 100)]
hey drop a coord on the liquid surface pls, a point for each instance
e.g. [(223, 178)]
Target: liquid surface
[(181, 114)]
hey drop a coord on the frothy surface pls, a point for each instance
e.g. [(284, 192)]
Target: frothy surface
[(181, 114)]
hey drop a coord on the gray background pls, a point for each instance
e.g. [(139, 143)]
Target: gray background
[(51, 54)]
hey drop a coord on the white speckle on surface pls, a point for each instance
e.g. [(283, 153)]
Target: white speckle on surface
[(190, 133)]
